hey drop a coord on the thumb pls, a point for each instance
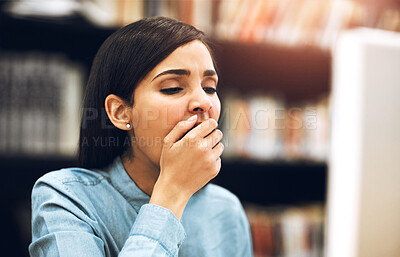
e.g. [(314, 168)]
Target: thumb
[(179, 130)]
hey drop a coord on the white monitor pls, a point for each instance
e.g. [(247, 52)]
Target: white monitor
[(363, 214)]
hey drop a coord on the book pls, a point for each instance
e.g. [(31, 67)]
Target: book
[(262, 127), (286, 231), (43, 93)]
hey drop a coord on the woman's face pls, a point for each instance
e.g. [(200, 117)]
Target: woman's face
[(180, 86)]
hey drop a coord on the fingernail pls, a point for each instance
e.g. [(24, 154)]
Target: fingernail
[(194, 117)]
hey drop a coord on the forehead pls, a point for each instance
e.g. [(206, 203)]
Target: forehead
[(193, 55)]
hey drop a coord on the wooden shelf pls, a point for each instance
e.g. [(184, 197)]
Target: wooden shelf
[(274, 183), (298, 73), (75, 38)]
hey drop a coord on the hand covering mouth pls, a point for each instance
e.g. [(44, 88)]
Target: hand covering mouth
[(195, 125)]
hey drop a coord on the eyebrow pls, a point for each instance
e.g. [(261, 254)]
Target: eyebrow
[(208, 73), (183, 72)]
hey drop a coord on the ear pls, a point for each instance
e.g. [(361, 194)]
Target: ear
[(118, 112)]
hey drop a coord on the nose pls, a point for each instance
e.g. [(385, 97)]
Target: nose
[(200, 103)]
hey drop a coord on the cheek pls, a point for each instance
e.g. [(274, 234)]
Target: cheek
[(146, 119), (216, 109), (158, 117), (171, 115)]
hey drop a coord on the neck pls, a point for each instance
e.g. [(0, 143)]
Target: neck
[(141, 170)]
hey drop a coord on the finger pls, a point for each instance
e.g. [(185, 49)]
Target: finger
[(212, 139), (179, 130), (204, 129), (218, 149), (218, 166)]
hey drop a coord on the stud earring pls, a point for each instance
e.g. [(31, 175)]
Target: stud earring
[(128, 125)]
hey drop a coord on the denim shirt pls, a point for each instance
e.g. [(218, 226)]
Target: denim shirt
[(79, 212)]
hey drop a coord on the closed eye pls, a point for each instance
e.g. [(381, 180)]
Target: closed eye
[(210, 90), (171, 91)]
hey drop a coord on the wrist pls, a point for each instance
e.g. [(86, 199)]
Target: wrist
[(170, 198)]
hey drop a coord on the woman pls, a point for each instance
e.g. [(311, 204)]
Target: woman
[(149, 145)]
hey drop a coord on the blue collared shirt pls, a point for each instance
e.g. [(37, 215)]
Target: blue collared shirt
[(79, 212)]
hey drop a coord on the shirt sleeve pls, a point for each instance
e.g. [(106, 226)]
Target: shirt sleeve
[(61, 227), (156, 232)]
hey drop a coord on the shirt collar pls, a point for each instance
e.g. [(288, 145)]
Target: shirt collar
[(121, 181)]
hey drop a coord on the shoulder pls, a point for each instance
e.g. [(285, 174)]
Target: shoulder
[(62, 200), (72, 183), (215, 207), (71, 175), (219, 194), (68, 190), (217, 198)]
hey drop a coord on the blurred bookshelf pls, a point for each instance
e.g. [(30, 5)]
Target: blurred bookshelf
[(274, 64)]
